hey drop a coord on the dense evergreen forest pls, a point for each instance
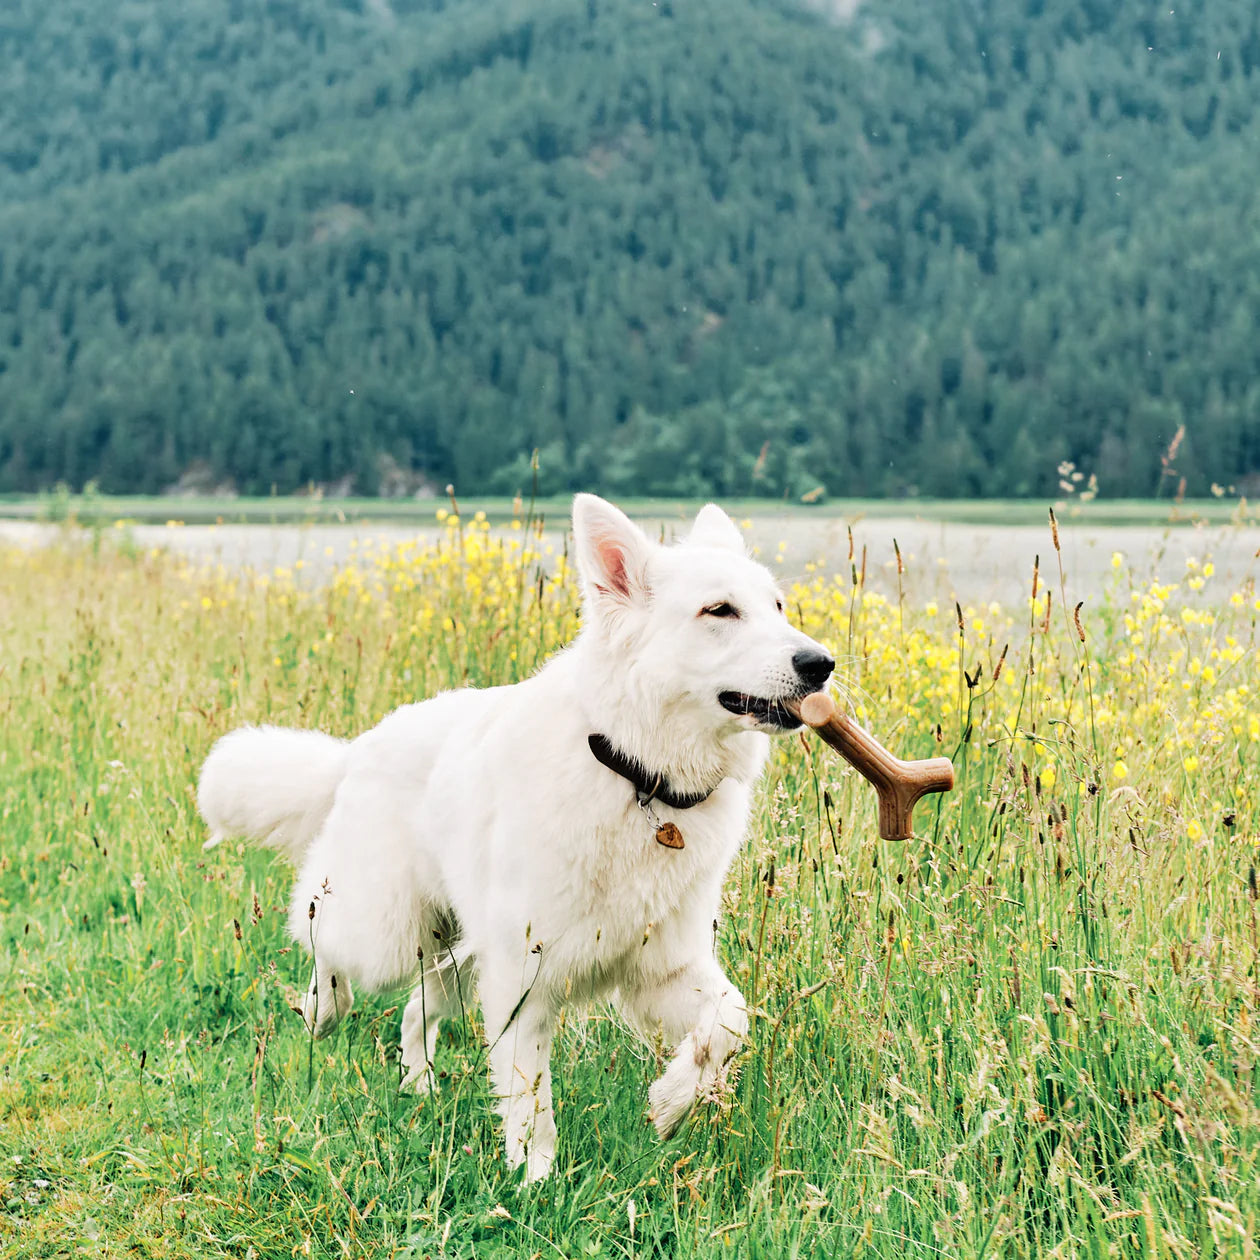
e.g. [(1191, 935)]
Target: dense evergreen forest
[(725, 246)]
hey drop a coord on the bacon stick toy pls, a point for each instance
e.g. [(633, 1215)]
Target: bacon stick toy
[(899, 784)]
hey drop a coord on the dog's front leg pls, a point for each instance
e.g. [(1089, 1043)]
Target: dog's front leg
[(698, 1010), (520, 1033)]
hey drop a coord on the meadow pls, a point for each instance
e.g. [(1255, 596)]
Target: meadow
[(1031, 1032)]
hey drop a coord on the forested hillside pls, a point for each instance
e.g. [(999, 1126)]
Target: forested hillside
[(725, 246)]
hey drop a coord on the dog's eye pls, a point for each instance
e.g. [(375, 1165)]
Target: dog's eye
[(778, 603), (720, 610)]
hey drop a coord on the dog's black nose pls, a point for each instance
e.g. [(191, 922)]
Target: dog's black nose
[(813, 666)]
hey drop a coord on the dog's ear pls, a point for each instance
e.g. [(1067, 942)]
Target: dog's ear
[(612, 551), (713, 528)]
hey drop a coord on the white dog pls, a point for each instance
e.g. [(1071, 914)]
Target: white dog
[(522, 834)]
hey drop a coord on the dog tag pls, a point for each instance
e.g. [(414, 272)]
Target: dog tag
[(669, 835)]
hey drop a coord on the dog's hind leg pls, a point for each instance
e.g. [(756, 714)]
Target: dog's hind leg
[(441, 994), (327, 1000), (358, 903)]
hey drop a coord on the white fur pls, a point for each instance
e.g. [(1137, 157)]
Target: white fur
[(273, 785), (475, 837)]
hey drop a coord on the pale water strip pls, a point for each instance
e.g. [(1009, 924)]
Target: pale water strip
[(944, 560)]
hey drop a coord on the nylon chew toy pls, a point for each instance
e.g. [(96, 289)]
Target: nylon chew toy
[(899, 784)]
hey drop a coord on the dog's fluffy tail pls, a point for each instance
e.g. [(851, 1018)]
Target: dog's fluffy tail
[(272, 785)]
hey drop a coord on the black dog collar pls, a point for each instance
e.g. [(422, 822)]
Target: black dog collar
[(648, 787)]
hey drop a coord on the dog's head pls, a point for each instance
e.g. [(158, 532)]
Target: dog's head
[(698, 626)]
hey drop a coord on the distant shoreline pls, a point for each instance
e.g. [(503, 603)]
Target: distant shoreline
[(974, 563), (317, 510)]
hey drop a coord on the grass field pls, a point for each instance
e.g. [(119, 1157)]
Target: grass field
[(1033, 1032)]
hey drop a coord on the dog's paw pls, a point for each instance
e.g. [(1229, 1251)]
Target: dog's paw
[(321, 1014), (665, 1111), (672, 1096), (420, 1079), (538, 1162), (534, 1149)]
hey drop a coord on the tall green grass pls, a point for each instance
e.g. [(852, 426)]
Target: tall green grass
[(1031, 1033)]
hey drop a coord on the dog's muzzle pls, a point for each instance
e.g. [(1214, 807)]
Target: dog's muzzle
[(767, 712)]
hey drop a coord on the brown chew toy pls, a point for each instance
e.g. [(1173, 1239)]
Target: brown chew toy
[(899, 783)]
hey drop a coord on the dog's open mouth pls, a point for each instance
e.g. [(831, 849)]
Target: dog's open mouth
[(767, 712)]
